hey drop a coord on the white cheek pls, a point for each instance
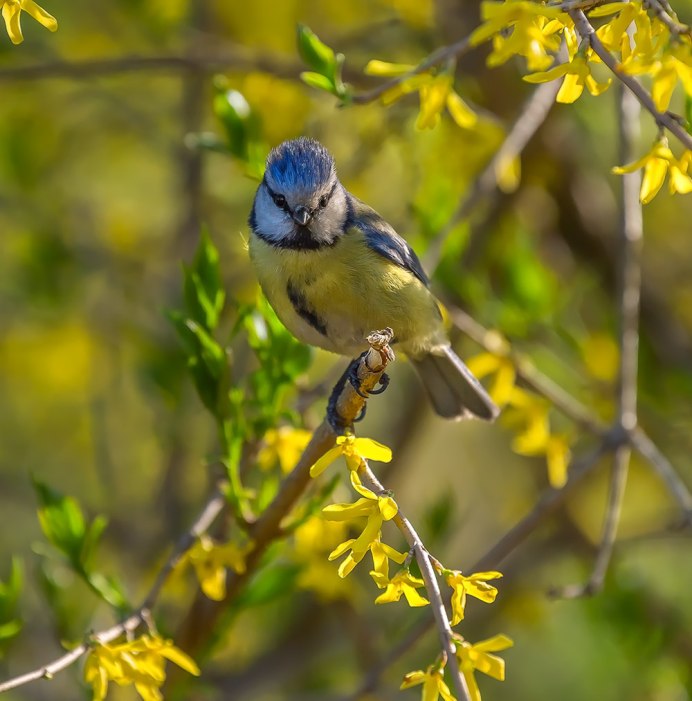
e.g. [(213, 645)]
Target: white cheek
[(272, 222)]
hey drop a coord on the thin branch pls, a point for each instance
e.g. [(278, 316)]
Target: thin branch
[(211, 510), (441, 55), (663, 119), (533, 113), (444, 629)]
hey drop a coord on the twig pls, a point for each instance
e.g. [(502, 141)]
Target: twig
[(438, 608), (444, 53), (663, 119), (533, 113), (211, 510)]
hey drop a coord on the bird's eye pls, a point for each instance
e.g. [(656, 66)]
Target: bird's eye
[(280, 201), (323, 201)]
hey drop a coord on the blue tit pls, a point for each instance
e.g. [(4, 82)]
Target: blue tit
[(334, 270)]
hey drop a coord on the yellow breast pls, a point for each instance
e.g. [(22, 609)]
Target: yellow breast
[(335, 296)]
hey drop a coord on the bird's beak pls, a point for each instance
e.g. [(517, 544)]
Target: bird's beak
[(301, 215)]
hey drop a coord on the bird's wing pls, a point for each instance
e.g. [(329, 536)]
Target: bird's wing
[(381, 238)]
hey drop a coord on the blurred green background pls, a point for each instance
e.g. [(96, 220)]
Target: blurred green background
[(101, 199)]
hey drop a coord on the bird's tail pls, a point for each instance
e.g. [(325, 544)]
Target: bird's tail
[(453, 390)]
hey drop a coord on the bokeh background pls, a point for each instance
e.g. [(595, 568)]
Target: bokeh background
[(102, 195)]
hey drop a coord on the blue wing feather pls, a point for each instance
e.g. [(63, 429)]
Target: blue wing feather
[(381, 238)]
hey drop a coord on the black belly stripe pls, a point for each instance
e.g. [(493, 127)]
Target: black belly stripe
[(302, 309)]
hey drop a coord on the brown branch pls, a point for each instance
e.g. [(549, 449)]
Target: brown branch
[(204, 614), (663, 119)]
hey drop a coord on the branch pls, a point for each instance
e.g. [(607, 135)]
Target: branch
[(662, 10), (348, 405), (663, 119), (438, 608), (444, 53), (211, 510)]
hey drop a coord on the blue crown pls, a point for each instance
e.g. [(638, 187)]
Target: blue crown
[(302, 164)]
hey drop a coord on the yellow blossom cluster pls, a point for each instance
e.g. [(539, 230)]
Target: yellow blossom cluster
[(140, 662), (435, 90), (641, 42)]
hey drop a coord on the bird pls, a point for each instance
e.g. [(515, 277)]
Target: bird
[(334, 271)]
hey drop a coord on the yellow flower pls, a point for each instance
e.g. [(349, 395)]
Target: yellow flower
[(402, 583), (140, 662), (12, 11), (534, 31), (505, 374), (210, 561), (474, 585), (478, 657), (536, 438), (384, 69), (601, 356), (657, 163), (577, 74), (436, 94), (354, 450), (433, 683), (284, 445), (376, 509), (381, 555)]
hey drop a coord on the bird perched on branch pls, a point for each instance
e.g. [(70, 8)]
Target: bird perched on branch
[(334, 270)]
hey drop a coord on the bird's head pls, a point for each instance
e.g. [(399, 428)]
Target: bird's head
[(300, 203)]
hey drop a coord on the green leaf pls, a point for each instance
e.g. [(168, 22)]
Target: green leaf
[(109, 589), (237, 118), (62, 521), (318, 81), (315, 52), (204, 294), (9, 630), (92, 537)]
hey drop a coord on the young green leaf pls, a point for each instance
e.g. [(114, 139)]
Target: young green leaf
[(316, 53)]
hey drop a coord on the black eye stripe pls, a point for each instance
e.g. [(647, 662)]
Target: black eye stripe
[(286, 208)]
